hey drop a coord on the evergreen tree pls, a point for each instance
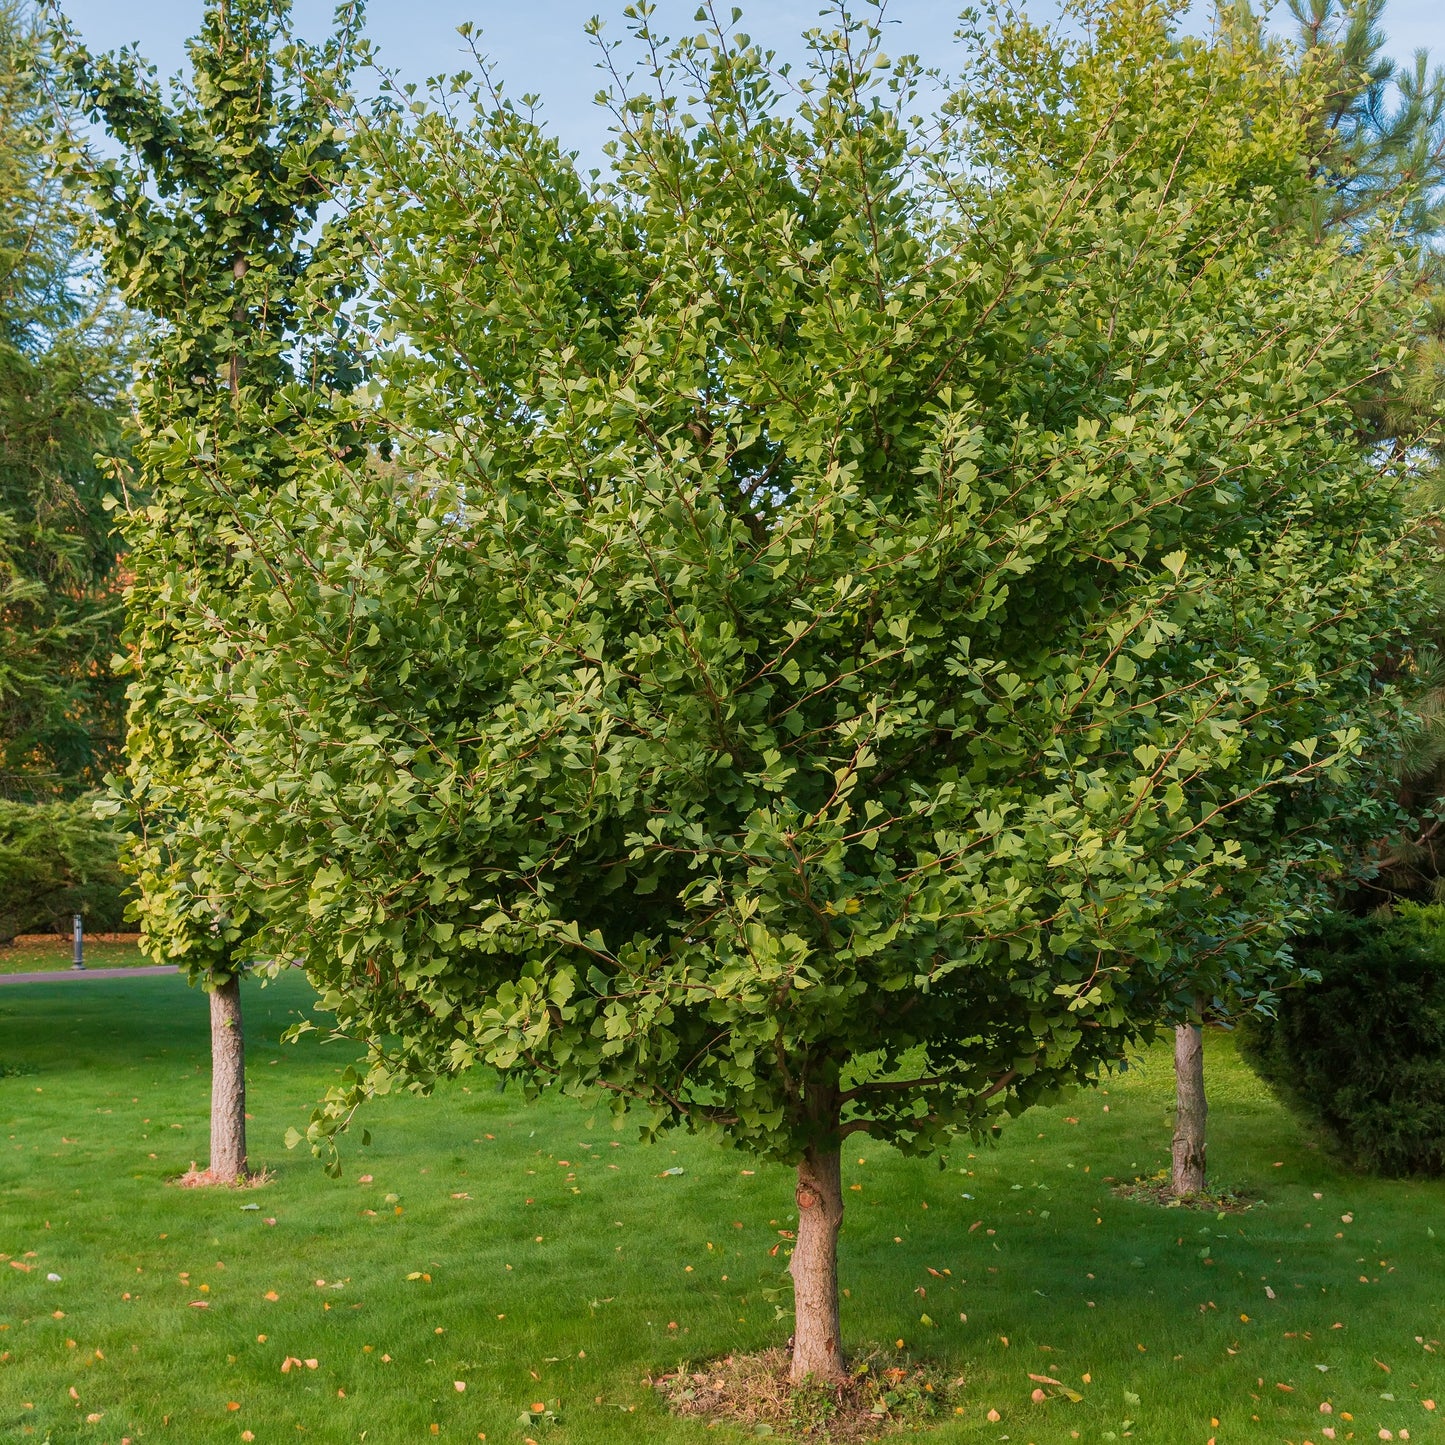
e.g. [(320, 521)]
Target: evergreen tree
[(62, 360)]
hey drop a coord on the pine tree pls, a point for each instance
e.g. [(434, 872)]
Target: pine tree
[(62, 360)]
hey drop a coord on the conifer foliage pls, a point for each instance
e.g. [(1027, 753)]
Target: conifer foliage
[(62, 359)]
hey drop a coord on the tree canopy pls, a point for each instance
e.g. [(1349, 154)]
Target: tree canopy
[(207, 223), (844, 624)]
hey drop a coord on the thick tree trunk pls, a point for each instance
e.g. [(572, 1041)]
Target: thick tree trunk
[(1192, 1113), (228, 1084), (817, 1351)]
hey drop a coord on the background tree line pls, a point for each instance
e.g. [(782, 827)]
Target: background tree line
[(65, 350)]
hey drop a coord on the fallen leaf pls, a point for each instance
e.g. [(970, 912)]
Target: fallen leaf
[(994, 1417)]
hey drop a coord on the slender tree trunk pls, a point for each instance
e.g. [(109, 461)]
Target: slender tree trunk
[(816, 1348), (228, 1083), (1192, 1113)]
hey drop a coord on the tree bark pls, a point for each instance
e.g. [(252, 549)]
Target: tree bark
[(228, 1084), (817, 1352), (1191, 1114)]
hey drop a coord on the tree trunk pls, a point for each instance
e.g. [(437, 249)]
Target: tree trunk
[(816, 1348), (1192, 1112), (228, 1084)]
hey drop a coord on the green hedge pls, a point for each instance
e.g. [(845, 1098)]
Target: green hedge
[(1361, 1053), (57, 859)]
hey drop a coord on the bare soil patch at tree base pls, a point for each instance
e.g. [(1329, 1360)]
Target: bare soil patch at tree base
[(195, 1178), (886, 1393), (1154, 1189)]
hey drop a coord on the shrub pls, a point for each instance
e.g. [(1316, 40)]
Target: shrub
[(1361, 1053), (57, 859)]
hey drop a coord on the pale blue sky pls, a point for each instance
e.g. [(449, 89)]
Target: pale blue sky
[(539, 45)]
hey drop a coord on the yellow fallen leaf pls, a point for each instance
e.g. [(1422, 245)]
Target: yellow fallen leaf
[(272, 1295), (459, 1385), (233, 1404), (994, 1417)]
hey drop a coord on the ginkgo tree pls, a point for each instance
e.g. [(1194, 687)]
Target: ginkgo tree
[(208, 227), (860, 616)]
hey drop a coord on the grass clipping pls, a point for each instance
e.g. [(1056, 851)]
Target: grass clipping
[(885, 1392)]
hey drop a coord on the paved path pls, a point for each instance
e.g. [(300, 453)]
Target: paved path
[(54, 975)]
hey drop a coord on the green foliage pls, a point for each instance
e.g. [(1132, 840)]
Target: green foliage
[(866, 617), (1381, 126), (1381, 141), (61, 359), (209, 227), (57, 859), (1361, 1052)]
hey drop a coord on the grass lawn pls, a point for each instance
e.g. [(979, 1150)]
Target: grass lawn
[(52, 952), (537, 1257)]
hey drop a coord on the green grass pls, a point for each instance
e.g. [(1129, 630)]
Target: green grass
[(566, 1283), (52, 952)]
